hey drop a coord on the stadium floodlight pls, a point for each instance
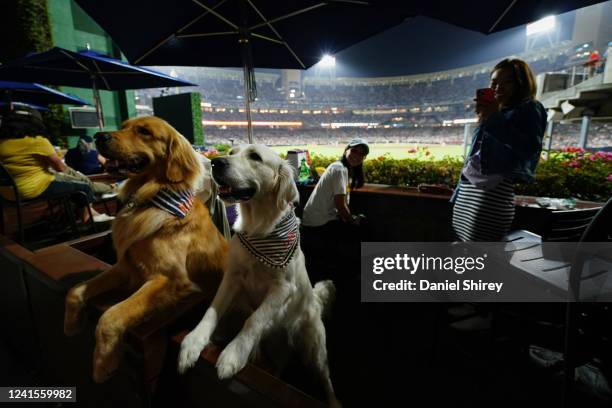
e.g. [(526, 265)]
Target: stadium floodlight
[(541, 26), (328, 61)]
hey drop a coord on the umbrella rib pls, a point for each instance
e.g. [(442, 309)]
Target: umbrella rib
[(99, 73), (52, 69), (76, 61), (286, 16), (221, 33), (263, 37), (502, 16), (363, 3), (214, 13), (165, 40), (280, 40)]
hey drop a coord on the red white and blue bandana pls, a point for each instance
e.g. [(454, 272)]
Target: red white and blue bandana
[(177, 203), (278, 247)]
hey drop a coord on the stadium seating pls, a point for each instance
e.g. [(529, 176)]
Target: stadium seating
[(406, 109)]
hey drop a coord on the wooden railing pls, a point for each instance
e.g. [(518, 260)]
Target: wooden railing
[(33, 285)]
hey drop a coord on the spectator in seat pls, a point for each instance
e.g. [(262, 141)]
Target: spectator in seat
[(84, 157), (327, 219), (32, 162)]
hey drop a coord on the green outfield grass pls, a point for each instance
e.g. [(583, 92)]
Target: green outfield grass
[(396, 151)]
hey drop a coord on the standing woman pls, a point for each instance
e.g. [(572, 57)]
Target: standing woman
[(505, 149)]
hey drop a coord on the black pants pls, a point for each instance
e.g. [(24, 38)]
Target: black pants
[(63, 187), (333, 251)]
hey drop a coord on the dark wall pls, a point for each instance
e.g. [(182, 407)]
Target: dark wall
[(403, 218), (183, 112), (399, 218)]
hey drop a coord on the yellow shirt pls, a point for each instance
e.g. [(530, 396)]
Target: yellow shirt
[(21, 158)]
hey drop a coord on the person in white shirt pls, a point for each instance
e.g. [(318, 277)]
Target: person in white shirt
[(329, 200), (327, 218)]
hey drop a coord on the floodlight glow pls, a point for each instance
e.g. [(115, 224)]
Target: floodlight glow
[(328, 61), (464, 121), (542, 25)]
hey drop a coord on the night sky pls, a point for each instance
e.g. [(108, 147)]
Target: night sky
[(421, 45)]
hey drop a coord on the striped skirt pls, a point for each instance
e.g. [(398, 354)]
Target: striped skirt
[(481, 215)]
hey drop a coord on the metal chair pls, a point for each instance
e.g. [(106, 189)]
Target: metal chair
[(569, 225), (7, 182), (581, 276), (561, 226)]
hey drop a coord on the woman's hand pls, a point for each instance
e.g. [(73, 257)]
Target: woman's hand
[(485, 109), (342, 207), (55, 162)]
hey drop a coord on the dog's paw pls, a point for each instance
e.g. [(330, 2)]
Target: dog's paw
[(334, 403), (74, 315), (74, 320), (105, 362), (107, 353), (232, 359), (191, 347)]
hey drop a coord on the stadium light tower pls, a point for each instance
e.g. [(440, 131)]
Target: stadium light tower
[(327, 68), (541, 26), (328, 61), (543, 29)]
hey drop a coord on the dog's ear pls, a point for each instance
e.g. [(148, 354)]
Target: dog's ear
[(182, 163), (284, 187)]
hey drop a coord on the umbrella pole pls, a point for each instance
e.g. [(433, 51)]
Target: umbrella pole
[(98, 104), (247, 103), (247, 67)]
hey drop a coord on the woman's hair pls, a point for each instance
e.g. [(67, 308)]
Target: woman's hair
[(21, 121), (523, 77), (355, 173)]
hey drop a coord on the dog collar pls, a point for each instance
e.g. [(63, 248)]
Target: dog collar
[(278, 247), (177, 203)]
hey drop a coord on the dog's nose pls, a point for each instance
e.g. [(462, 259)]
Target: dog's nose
[(103, 137), (219, 163)]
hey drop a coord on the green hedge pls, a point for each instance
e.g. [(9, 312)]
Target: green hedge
[(568, 173), (26, 28)]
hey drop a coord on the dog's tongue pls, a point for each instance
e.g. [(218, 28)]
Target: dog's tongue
[(114, 167), (225, 190)]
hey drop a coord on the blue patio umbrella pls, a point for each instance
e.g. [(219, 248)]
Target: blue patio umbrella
[(86, 69), (29, 105), (35, 94)]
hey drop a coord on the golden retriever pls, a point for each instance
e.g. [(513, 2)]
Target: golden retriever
[(161, 256), (265, 266)]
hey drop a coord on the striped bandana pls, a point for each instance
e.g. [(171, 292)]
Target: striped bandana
[(177, 203), (278, 247)]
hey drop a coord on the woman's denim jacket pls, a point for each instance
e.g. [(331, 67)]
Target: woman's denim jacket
[(510, 142)]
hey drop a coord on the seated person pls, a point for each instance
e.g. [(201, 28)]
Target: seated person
[(327, 220), (34, 165), (84, 157)]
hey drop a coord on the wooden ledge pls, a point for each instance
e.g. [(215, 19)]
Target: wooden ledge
[(520, 200), (259, 380)]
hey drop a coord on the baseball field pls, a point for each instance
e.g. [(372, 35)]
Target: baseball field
[(396, 151)]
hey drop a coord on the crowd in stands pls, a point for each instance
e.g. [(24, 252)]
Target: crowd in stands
[(289, 137), (564, 135), (399, 109)]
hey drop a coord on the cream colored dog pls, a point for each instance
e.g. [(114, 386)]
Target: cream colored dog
[(265, 266)]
